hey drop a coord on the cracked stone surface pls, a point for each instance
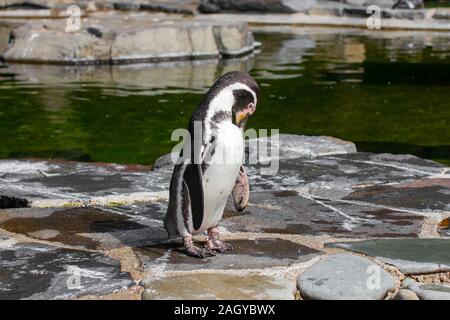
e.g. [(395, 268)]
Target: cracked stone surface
[(76, 182), (411, 256), (38, 271), (247, 254), (89, 227), (345, 277), (287, 212), (106, 219), (201, 286)]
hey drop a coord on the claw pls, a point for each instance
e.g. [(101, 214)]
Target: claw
[(214, 243), (218, 245), (195, 251)]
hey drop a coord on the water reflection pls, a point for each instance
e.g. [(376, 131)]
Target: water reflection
[(387, 91)]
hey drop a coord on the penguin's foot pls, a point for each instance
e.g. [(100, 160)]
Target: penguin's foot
[(195, 251), (218, 245), (214, 243)]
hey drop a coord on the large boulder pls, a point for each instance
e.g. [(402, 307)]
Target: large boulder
[(118, 41)]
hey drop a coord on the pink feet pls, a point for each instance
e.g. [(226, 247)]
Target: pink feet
[(214, 243), (195, 251)]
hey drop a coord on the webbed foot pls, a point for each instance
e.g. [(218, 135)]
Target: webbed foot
[(214, 243), (195, 251)]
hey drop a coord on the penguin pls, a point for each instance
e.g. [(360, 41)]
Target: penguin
[(204, 177)]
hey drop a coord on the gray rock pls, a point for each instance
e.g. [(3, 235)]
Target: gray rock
[(411, 256), (405, 294), (90, 228), (247, 254), (441, 15), (201, 286), (345, 277), (428, 291), (37, 271), (136, 40), (66, 183), (287, 212), (206, 7)]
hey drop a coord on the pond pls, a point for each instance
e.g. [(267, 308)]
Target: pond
[(385, 91)]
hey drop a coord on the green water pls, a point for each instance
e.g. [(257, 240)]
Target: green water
[(385, 91)]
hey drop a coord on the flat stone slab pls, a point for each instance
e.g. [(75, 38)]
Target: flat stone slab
[(247, 254), (411, 256), (37, 271), (337, 176), (92, 228), (287, 212), (67, 183), (345, 277), (424, 194), (200, 286), (120, 40), (428, 291)]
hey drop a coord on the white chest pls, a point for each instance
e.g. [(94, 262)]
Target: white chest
[(220, 176)]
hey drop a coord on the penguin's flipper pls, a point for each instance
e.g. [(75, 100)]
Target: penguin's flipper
[(193, 178), (241, 190)]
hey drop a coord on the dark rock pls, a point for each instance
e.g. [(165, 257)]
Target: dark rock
[(37, 271), (95, 32), (12, 202), (160, 7), (126, 6), (286, 212), (411, 256), (206, 7), (276, 6), (247, 254), (345, 277), (408, 4)]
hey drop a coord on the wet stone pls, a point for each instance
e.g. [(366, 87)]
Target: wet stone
[(409, 196), (75, 181), (89, 227), (247, 254), (286, 212), (218, 286), (344, 277), (411, 256), (37, 271), (337, 176), (428, 291)]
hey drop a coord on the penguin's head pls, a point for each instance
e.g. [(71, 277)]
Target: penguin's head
[(236, 92)]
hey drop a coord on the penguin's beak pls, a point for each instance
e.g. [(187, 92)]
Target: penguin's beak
[(241, 119), (242, 116)]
